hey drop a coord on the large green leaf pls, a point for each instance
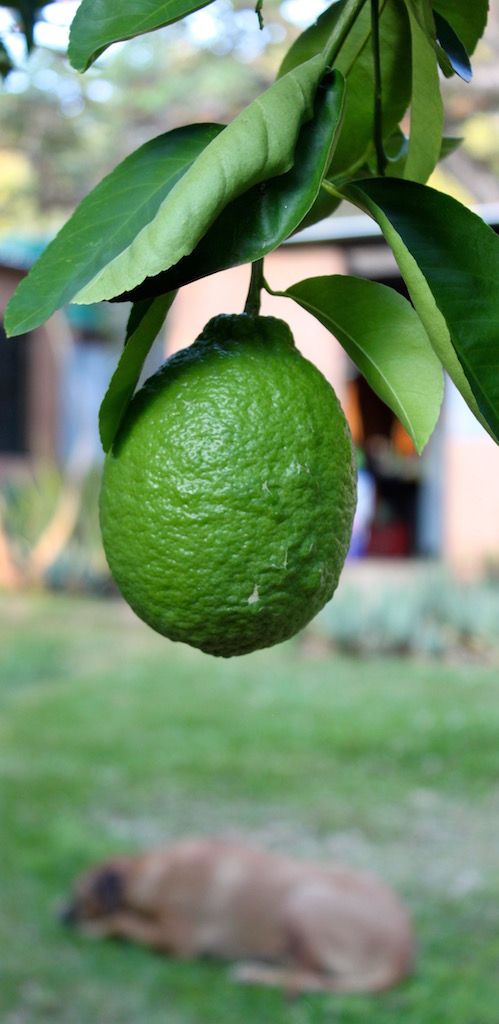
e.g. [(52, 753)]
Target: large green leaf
[(98, 23), (427, 111), (443, 38), (449, 259), (467, 17), (355, 61), (104, 224), (256, 146), (454, 50), (259, 220), (146, 321), (385, 338)]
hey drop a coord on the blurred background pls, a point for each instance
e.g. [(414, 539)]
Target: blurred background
[(373, 737), (60, 133)]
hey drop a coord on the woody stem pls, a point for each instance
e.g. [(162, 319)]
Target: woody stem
[(252, 306)]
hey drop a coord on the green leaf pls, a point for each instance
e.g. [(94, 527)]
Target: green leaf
[(451, 52), (453, 48), (256, 146), (259, 220), (449, 144), (98, 23), (324, 206), (355, 62), (104, 224), (449, 259), (397, 147), (146, 320), (468, 18), (427, 111), (137, 313), (383, 335)]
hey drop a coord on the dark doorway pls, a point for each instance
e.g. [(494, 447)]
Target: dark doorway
[(13, 394), (388, 458)]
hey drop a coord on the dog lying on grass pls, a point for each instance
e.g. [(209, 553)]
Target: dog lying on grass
[(301, 926)]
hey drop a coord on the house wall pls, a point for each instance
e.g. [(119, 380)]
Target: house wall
[(459, 496), (470, 491), (226, 293)]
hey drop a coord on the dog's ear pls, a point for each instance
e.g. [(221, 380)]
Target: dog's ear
[(108, 889)]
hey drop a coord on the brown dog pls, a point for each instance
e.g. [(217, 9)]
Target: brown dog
[(298, 925)]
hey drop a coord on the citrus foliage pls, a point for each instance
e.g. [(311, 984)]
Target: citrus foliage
[(207, 197)]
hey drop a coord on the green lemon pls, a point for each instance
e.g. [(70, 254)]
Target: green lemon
[(228, 496)]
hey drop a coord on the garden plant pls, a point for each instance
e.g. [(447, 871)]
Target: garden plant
[(229, 486)]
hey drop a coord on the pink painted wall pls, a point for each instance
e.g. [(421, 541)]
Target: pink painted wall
[(469, 459), (470, 492), (226, 293)]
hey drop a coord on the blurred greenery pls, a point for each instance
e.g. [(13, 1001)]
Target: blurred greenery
[(72, 129), (29, 500), (114, 739), (428, 612)]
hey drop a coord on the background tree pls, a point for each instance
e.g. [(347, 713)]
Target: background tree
[(72, 129)]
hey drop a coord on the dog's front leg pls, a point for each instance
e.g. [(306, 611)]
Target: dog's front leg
[(129, 926), (171, 936)]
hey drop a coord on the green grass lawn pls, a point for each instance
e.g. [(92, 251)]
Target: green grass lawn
[(112, 739)]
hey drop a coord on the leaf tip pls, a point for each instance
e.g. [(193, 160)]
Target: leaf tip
[(106, 439), (12, 323), (110, 418)]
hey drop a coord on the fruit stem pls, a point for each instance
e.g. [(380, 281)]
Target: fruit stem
[(252, 306), (340, 32)]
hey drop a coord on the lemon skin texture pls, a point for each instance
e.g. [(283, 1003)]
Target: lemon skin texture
[(228, 496)]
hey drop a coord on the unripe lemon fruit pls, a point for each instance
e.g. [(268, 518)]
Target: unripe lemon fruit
[(229, 493)]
